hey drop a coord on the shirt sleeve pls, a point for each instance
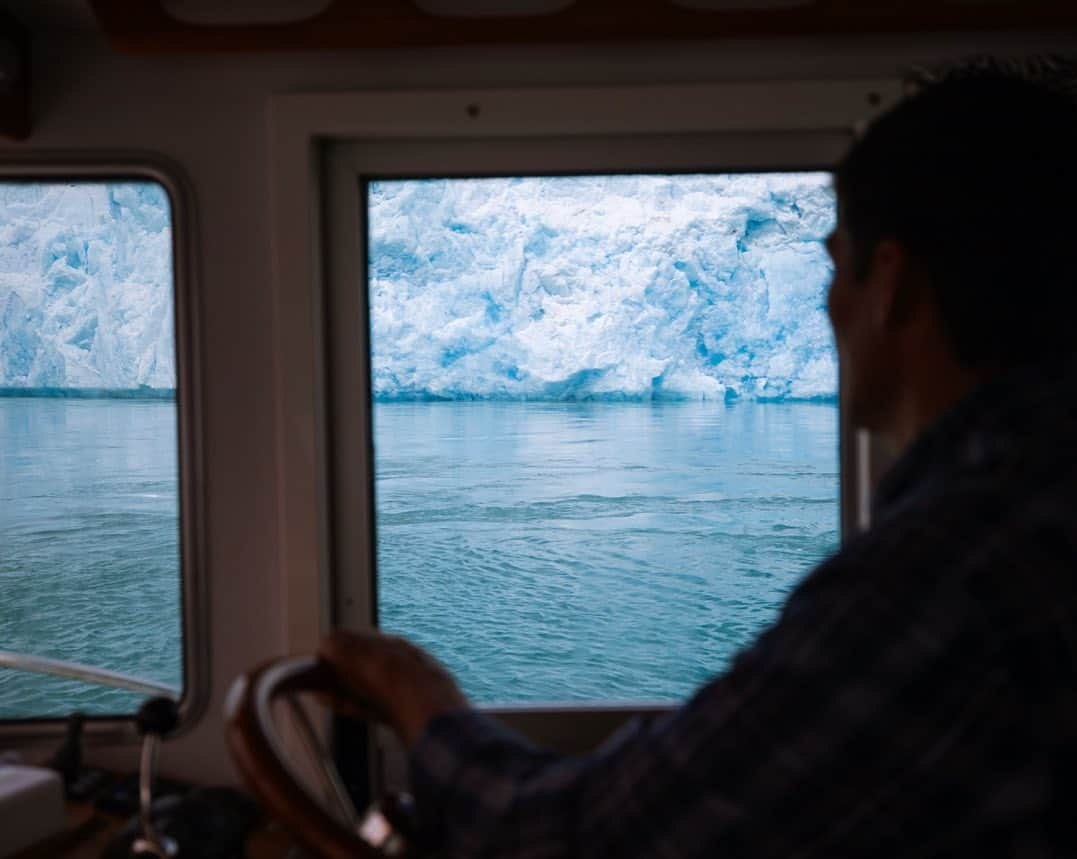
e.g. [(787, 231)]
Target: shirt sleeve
[(815, 743)]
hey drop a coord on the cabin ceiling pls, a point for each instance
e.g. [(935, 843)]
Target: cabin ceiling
[(182, 26), (40, 15), (155, 26)]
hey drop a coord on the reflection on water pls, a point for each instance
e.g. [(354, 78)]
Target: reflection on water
[(89, 547), (597, 551)]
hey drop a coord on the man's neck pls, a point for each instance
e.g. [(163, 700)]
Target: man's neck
[(933, 389)]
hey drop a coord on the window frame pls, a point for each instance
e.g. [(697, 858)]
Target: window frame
[(349, 168), (324, 501), (140, 167)]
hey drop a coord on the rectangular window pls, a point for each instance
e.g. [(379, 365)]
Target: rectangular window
[(605, 422), (90, 524)]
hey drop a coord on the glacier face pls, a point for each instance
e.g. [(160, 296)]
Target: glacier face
[(602, 287), (86, 286), (623, 287)]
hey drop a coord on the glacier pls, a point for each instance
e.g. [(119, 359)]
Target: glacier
[(638, 287), (551, 288), (86, 287)]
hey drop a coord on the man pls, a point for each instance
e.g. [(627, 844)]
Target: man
[(918, 694)]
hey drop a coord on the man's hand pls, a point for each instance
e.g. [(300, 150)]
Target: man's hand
[(388, 678)]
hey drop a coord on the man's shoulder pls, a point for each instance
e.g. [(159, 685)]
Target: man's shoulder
[(1005, 550), (997, 492)]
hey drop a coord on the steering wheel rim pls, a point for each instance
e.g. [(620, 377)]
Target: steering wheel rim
[(258, 752)]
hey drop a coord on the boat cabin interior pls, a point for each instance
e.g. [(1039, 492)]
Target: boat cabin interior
[(498, 324)]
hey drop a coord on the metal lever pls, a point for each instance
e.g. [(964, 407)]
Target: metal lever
[(156, 717)]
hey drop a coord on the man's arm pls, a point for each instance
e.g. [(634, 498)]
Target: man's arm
[(825, 736)]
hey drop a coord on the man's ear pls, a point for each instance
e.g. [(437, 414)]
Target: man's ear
[(894, 286)]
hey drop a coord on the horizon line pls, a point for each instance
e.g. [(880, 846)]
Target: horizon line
[(143, 392)]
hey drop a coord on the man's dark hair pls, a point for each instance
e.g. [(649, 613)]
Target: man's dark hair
[(976, 175)]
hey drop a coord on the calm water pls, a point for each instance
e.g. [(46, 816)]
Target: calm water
[(89, 564), (544, 552), (568, 552)]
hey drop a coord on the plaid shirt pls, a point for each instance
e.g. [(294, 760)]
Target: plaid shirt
[(916, 697)]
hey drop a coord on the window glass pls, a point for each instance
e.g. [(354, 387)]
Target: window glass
[(605, 422), (89, 494)]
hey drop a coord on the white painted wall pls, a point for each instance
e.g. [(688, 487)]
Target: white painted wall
[(208, 115)]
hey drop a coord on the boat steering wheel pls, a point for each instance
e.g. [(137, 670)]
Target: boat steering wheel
[(259, 753)]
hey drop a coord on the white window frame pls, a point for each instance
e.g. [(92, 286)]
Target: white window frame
[(122, 167), (323, 145)]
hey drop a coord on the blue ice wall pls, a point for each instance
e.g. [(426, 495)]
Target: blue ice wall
[(85, 286), (634, 287), (624, 287)]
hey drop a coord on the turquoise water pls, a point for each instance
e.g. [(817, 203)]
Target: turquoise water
[(89, 547), (597, 551), (545, 552)]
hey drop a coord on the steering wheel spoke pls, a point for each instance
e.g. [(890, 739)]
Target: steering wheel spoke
[(324, 767)]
